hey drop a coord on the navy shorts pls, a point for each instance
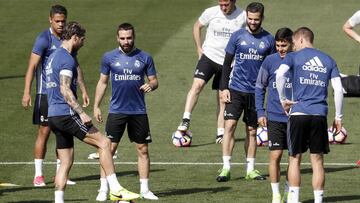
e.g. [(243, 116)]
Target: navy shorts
[(206, 68), (40, 110), (241, 102), (137, 127), (307, 132), (277, 135), (66, 128)]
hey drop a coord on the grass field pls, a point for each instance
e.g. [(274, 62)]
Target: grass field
[(164, 29)]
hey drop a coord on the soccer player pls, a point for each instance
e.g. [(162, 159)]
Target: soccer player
[(353, 21), (311, 71), (274, 118), (45, 44), (249, 46), (221, 21), (127, 66), (67, 118)]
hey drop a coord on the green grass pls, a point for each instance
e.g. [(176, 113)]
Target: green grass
[(164, 29)]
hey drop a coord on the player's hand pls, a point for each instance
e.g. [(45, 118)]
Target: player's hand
[(337, 125), (26, 101), (86, 100), (146, 88), (97, 114), (86, 120), (287, 104), (262, 121), (225, 96)]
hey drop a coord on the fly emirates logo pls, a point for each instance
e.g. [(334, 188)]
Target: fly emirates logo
[(252, 55), (315, 67), (127, 75)]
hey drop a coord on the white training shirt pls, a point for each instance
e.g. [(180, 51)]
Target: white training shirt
[(219, 29), (355, 19)]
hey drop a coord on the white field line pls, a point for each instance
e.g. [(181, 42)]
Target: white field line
[(165, 163)]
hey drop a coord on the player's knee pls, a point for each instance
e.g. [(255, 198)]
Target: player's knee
[(143, 150), (105, 143)]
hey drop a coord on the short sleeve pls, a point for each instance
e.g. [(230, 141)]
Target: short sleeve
[(231, 46), (41, 44), (150, 66), (355, 19), (105, 65)]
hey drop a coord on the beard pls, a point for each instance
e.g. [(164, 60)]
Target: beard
[(127, 48), (254, 29)]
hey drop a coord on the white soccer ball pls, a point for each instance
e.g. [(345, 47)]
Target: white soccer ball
[(262, 136), (338, 138), (181, 138)]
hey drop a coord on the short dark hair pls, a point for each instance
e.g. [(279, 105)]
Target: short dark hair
[(71, 29), (306, 33), (57, 9), (126, 26), (255, 7), (284, 34)]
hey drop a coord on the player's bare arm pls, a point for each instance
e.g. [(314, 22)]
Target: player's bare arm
[(348, 29), (151, 85), (33, 63), (197, 37), (99, 94), (82, 86), (69, 97)]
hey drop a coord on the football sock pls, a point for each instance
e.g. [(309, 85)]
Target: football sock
[(187, 115), (59, 196), (226, 161), (250, 163), (144, 185), (38, 167), (220, 131), (275, 188), (293, 196), (318, 196), (58, 162), (104, 184), (113, 182)]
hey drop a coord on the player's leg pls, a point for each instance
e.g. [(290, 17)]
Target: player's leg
[(318, 178), (220, 104), (319, 146), (277, 143), (233, 112), (115, 127), (139, 132), (40, 119), (250, 120), (104, 186), (102, 143), (274, 172), (202, 75), (66, 156), (298, 132)]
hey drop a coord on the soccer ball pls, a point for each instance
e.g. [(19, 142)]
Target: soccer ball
[(181, 138), (338, 138), (262, 136)]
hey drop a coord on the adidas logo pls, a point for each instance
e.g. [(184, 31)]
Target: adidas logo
[(243, 43), (53, 47), (197, 72), (117, 64), (110, 136), (315, 65)]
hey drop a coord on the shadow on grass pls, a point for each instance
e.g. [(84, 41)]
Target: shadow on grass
[(16, 189), (327, 170), (337, 199), (118, 174), (11, 77), (200, 145), (191, 191)]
